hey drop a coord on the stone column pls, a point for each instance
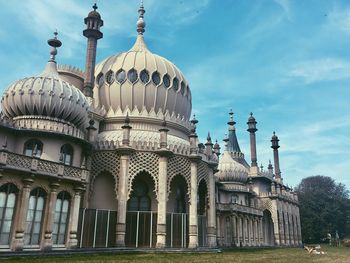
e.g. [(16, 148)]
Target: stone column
[(256, 232), (240, 232), (51, 204), (122, 200), (281, 228), (193, 217), (74, 217), (212, 209), (20, 226), (286, 223), (234, 229), (299, 226), (261, 236), (162, 202)]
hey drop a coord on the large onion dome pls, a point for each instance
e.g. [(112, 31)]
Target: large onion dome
[(231, 170), (46, 96), (141, 80)]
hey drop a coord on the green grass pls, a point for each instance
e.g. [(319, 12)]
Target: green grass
[(290, 255)]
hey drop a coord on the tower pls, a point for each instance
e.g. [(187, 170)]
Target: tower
[(252, 129), (92, 32), (275, 146)]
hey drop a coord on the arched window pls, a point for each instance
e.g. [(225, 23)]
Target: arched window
[(139, 200), (61, 218), (34, 217), (202, 200), (7, 206), (180, 203), (66, 155), (33, 148)]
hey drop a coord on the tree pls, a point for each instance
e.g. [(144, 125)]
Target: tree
[(324, 208)]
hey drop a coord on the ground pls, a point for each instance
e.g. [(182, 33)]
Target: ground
[(280, 255)]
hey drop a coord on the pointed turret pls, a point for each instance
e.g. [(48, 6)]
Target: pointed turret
[(233, 145)]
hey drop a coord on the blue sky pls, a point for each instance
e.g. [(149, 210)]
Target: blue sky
[(286, 61)]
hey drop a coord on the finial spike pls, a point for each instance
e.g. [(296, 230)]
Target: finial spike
[(94, 6), (141, 22), (54, 43)]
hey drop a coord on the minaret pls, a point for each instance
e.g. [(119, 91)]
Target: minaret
[(92, 32), (275, 146), (252, 129)]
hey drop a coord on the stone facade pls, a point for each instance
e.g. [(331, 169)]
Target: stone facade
[(110, 158)]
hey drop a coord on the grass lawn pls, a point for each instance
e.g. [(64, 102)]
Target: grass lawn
[(290, 255)]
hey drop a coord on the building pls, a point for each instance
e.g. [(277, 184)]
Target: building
[(109, 157)]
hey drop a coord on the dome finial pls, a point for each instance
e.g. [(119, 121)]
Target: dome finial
[(140, 22), (94, 6), (54, 43)]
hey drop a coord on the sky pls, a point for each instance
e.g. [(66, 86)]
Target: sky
[(287, 61)]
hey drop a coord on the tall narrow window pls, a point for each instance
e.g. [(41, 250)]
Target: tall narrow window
[(34, 217), (33, 148), (180, 204), (61, 218), (139, 200), (7, 205), (66, 155)]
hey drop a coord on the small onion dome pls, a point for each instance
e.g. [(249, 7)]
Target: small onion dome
[(46, 96), (274, 137), (94, 13), (231, 170)]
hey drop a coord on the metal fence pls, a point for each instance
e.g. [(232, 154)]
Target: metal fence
[(97, 228)]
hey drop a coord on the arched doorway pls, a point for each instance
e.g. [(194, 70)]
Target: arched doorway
[(268, 229), (177, 213), (141, 220), (103, 195), (97, 224), (202, 205)]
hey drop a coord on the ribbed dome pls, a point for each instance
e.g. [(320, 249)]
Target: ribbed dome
[(143, 80), (231, 170), (45, 96)]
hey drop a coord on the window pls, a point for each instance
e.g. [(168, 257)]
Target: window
[(34, 217), (7, 206), (234, 199), (156, 78), (175, 84), (61, 218), (66, 154), (139, 200), (182, 88), (33, 148), (166, 80), (109, 77), (121, 76), (180, 204), (144, 76), (100, 79), (132, 75)]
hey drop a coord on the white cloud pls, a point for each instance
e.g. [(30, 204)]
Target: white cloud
[(286, 7), (339, 19), (324, 69)]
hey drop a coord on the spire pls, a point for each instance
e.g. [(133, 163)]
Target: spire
[(232, 145), (51, 66), (140, 22), (54, 43)]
